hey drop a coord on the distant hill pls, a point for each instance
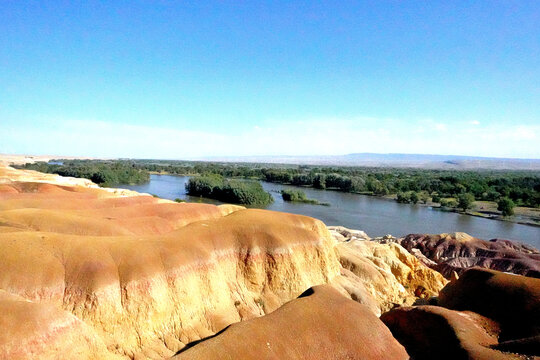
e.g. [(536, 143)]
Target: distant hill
[(457, 162)]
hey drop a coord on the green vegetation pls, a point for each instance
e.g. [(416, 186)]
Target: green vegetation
[(293, 195), (449, 203), (522, 187), (231, 191), (298, 196), (465, 201), (412, 197), (103, 173), (405, 197), (506, 206)]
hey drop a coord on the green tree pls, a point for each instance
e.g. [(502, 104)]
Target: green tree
[(232, 191), (506, 205), (319, 181), (358, 184), (99, 177), (403, 197), (522, 187), (449, 203), (414, 197), (465, 201), (293, 195)]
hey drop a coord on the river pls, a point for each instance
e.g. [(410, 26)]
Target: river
[(376, 216)]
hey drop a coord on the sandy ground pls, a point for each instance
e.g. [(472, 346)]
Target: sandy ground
[(11, 159)]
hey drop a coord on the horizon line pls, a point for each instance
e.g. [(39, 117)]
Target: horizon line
[(192, 158)]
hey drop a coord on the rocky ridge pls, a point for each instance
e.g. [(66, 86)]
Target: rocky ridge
[(389, 273), (456, 252)]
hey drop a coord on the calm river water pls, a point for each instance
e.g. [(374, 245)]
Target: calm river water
[(376, 216)]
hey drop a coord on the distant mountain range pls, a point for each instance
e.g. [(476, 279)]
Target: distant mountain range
[(457, 162)]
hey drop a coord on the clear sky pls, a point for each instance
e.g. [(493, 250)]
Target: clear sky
[(167, 79)]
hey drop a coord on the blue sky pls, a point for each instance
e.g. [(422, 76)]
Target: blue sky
[(188, 79)]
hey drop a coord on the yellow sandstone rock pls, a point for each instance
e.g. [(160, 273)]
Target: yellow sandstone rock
[(389, 272), (147, 277), (93, 273)]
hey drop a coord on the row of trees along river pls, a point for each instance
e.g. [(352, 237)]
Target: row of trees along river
[(522, 188)]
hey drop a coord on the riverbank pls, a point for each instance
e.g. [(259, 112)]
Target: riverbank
[(481, 209), (376, 215), (488, 210)]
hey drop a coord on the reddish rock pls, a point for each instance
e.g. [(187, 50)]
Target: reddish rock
[(457, 252), (321, 324), (511, 300), (432, 332)]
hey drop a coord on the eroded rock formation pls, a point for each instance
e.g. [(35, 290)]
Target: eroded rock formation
[(483, 315), (387, 271), (143, 276), (45, 331), (322, 324), (433, 332), (511, 300), (457, 252), (93, 273)]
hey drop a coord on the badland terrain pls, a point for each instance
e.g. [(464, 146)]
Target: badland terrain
[(106, 273)]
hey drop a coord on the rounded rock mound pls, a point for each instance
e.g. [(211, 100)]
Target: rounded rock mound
[(320, 324)]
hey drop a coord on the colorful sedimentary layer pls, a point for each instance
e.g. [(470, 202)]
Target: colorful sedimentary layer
[(387, 271), (483, 315), (138, 277), (456, 252), (91, 273)]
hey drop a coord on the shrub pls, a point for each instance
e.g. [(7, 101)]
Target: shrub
[(319, 181), (449, 203), (302, 180), (506, 206), (232, 191), (104, 173), (299, 196), (424, 197), (358, 184), (245, 192), (293, 195), (204, 185), (465, 201), (403, 197)]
